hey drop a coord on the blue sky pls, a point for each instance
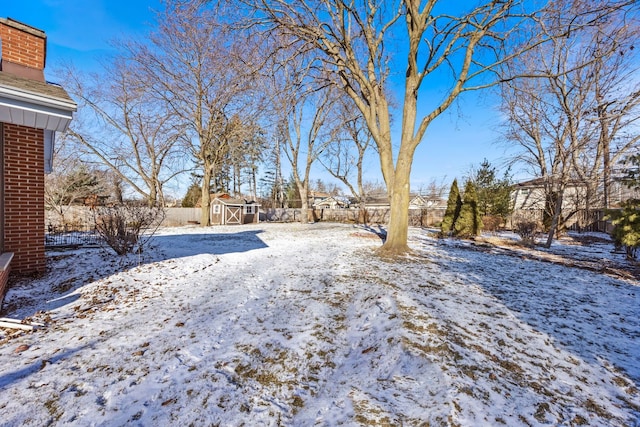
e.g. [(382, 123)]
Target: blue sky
[(79, 31)]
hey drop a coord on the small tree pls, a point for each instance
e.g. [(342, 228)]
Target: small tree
[(469, 222), (192, 197), (454, 203), (494, 194)]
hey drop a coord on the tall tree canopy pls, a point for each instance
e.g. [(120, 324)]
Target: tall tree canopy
[(202, 71), (442, 49), (575, 116)]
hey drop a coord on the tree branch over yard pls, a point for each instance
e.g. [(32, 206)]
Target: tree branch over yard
[(356, 39), (134, 136), (201, 71), (574, 120)]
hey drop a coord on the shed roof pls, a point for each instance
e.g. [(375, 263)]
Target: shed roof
[(234, 202)]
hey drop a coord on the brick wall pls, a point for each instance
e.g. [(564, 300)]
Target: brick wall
[(24, 197), (23, 45)]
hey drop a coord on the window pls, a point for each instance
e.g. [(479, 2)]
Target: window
[(216, 209), (248, 209)]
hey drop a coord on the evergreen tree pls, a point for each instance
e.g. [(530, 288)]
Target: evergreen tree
[(494, 195), (626, 233), (469, 223), (454, 203), (485, 179), (627, 221), (192, 197)]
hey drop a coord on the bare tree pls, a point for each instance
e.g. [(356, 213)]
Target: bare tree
[(134, 135), (434, 191), (303, 105), (196, 66), (355, 39), (344, 157), (555, 117), (71, 182), (616, 91), (247, 148)]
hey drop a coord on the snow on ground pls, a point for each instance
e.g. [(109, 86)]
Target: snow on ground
[(300, 325)]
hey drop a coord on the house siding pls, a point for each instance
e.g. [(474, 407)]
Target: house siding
[(23, 151)]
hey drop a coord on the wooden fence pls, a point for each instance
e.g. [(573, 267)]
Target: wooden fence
[(81, 217), (582, 220)]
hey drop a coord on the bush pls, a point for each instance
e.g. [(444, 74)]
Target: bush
[(492, 222), (127, 228), (527, 230)]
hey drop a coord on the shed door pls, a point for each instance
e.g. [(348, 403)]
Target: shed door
[(233, 215)]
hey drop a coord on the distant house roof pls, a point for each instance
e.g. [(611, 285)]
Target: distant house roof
[(319, 194), (540, 182), (34, 103), (329, 202)]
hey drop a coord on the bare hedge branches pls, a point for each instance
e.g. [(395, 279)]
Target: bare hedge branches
[(126, 228)]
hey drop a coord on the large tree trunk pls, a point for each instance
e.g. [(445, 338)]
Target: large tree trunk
[(205, 203), (153, 198), (555, 219), (398, 230), (304, 203), (606, 174), (396, 241)]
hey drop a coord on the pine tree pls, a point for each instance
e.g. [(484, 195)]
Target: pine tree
[(469, 223), (192, 197), (627, 221), (626, 232), (494, 194), (454, 203)]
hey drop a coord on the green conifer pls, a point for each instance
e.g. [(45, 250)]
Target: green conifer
[(627, 227), (627, 220), (469, 223), (454, 203)]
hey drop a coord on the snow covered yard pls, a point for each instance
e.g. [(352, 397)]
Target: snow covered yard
[(297, 325)]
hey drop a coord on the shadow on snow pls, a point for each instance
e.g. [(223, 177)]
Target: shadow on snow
[(593, 316), (59, 287)]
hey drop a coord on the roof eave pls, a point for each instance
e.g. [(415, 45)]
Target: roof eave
[(35, 110), (37, 98)]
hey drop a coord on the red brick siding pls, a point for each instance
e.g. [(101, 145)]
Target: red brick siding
[(24, 197), (22, 48)]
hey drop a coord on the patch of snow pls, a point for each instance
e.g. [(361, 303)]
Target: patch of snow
[(292, 324)]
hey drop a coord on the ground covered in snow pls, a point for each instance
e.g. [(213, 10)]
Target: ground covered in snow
[(300, 325)]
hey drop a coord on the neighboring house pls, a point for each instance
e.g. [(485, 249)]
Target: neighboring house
[(316, 197), (330, 203), (427, 202), (376, 201), (530, 195), (620, 192), (226, 210), (31, 111)]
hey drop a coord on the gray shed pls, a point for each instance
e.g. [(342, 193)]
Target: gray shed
[(225, 210)]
